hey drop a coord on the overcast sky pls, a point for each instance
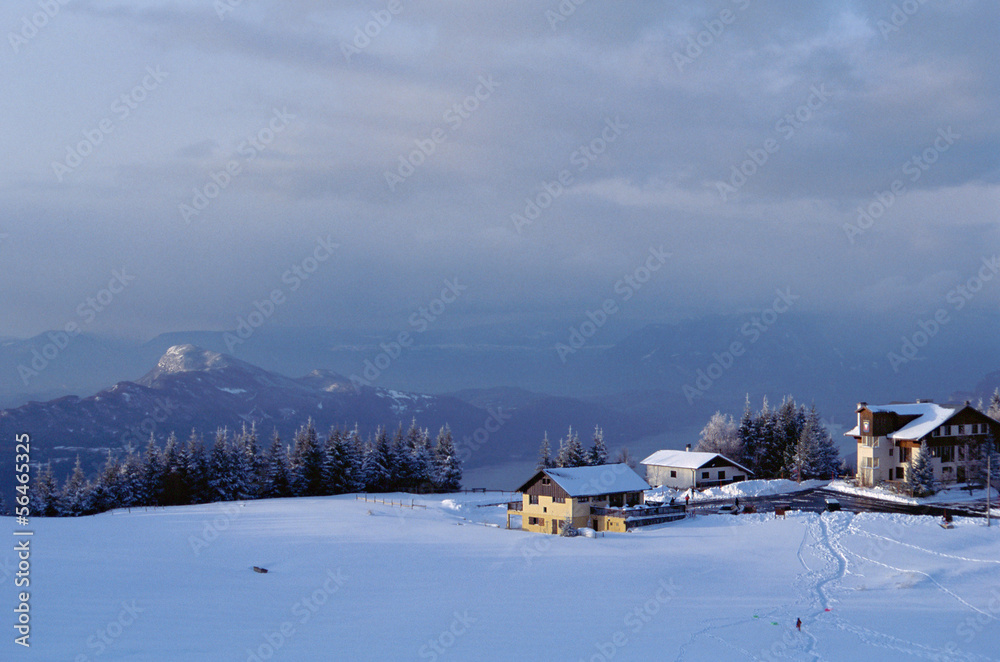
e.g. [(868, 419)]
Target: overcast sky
[(838, 96)]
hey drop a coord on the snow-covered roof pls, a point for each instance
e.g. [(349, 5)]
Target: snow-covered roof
[(929, 416), (686, 459), (600, 479)]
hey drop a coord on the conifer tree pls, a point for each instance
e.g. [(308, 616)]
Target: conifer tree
[(377, 459), (447, 466), (74, 499), (571, 453), (44, 494), (196, 469), (921, 476), (598, 453), (151, 486), (994, 408), (545, 455), (275, 481), (105, 495), (306, 465)]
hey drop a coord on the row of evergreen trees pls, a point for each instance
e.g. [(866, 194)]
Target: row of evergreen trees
[(788, 442), (236, 467), (571, 452)]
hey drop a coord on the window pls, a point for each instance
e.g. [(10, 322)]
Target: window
[(948, 454), (871, 442), (546, 481), (890, 451), (722, 475), (673, 474), (536, 521), (559, 499), (961, 429), (704, 474), (936, 433), (870, 463), (533, 499), (962, 453), (583, 499)]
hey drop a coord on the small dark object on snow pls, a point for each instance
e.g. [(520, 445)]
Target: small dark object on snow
[(262, 571), (798, 624)]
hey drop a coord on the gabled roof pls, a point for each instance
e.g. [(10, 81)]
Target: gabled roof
[(687, 459), (591, 481), (928, 416)]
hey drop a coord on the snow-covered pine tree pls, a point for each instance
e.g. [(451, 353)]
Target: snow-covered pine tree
[(354, 453), (151, 487), (130, 485), (598, 453), (334, 462), (721, 435), (378, 457), (245, 470), (806, 459), (568, 530), (74, 498), (44, 494), (399, 467), (105, 492), (306, 468), (829, 455), (221, 481), (175, 488), (196, 469), (770, 456), (920, 480), (275, 483), (545, 460), (994, 408), (423, 464), (571, 453), (749, 438), (447, 466), (787, 433)]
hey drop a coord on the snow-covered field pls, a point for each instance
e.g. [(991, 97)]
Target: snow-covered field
[(438, 584)]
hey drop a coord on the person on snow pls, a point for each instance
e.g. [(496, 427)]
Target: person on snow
[(798, 624)]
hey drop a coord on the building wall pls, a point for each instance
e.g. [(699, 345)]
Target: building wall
[(867, 454), (548, 510), (659, 476)]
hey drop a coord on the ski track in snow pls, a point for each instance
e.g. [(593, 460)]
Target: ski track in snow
[(832, 540), (927, 551)]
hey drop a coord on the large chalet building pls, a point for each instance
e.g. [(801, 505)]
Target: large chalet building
[(889, 437), (607, 497)]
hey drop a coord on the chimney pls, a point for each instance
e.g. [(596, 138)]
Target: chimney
[(861, 405), (688, 448)]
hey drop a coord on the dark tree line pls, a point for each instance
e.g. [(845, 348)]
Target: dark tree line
[(788, 442), (238, 467)]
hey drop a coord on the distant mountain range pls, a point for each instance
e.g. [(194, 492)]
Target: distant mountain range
[(191, 388), (640, 382)]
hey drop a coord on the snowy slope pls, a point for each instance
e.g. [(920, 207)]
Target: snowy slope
[(437, 584)]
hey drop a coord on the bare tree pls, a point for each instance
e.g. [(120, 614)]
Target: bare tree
[(721, 435)]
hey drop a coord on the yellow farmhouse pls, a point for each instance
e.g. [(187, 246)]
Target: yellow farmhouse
[(607, 497)]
